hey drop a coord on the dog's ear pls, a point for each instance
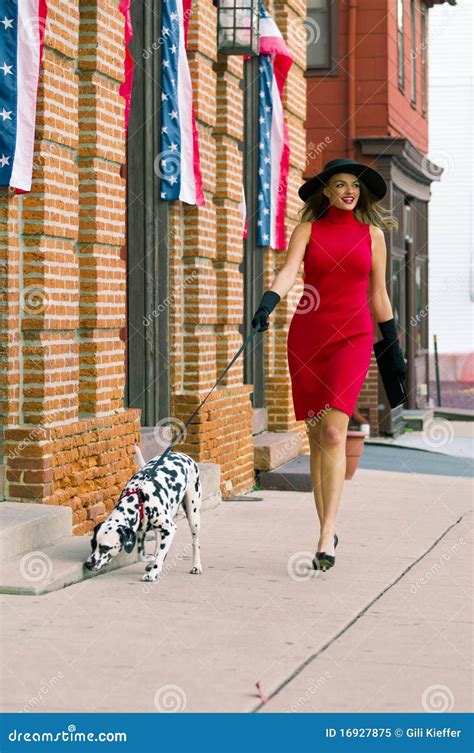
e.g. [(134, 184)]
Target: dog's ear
[(94, 536), (127, 537)]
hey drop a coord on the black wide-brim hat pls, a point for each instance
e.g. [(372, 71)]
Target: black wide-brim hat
[(371, 178)]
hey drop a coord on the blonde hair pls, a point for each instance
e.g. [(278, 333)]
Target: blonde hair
[(368, 209)]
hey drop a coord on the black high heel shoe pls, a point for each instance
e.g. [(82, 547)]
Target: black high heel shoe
[(323, 561)]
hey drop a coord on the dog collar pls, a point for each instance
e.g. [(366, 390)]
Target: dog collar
[(140, 500)]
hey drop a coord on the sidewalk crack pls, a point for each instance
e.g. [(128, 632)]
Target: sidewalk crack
[(360, 614)]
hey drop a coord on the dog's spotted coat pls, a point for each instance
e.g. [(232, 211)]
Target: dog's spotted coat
[(159, 489)]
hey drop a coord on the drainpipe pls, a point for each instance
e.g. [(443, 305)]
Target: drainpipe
[(351, 78), (410, 313)]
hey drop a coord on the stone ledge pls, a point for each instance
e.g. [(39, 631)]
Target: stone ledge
[(273, 449)]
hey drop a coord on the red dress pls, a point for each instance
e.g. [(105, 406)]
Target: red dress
[(329, 344)]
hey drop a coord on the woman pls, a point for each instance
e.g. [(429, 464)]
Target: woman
[(331, 334)]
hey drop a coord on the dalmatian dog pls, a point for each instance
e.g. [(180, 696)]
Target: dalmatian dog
[(149, 502)]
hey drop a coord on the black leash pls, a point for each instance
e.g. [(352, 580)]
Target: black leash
[(242, 347)]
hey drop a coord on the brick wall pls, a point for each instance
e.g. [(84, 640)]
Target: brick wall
[(207, 313), (67, 438)]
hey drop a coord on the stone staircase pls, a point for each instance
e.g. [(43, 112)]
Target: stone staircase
[(272, 449), (416, 419), (38, 552)]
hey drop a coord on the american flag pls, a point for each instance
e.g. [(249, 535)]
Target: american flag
[(179, 165), (22, 24), (274, 145), (125, 88)]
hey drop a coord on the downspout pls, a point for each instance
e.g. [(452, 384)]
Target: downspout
[(351, 78)]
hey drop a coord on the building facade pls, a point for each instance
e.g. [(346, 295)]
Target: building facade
[(368, 100), (120, 311)]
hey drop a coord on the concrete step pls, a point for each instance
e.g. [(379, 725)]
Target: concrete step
[(454, 414), (293, 476), (273, 449), (259, 420), (42, 555), (25, 526), (416, 419), (46, 569), (51, 568)]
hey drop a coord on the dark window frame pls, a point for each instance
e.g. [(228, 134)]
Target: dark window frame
[(413, 53), (333, 45), (401, 44), (424, 76)]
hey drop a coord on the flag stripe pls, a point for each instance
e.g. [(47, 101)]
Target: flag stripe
[(28, 62), (277, 152), (22, 27), (125, 88), (187, 187), (274, 145), (8, 89), (180, 175), (198, 189)]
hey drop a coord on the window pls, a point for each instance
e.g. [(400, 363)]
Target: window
[(401, 46), (321, 37), (413, 51), (421, 303), (396, 297), (423, 60)]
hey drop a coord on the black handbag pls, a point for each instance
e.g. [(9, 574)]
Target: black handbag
[(394, 385)]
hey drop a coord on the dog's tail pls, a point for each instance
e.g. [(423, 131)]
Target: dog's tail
[(138, 456)]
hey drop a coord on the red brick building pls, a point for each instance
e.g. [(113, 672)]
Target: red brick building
[(368, 100), (92, 260)]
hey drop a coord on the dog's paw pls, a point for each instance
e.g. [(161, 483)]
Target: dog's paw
[(150, 577), (196, 570)]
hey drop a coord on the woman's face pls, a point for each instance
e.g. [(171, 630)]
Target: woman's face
[(343, 190)]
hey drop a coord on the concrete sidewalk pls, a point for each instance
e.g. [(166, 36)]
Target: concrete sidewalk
[(387, 629), (454, 438)]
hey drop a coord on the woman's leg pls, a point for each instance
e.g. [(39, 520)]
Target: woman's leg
[(333, 436), (313, 428)]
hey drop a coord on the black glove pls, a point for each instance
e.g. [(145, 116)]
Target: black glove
[(389, 334), (267, 304)]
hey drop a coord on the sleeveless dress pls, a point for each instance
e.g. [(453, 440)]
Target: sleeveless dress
[(330, 337)]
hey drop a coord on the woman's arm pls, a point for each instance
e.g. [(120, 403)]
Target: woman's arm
[(286, 277), (379, 302)]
